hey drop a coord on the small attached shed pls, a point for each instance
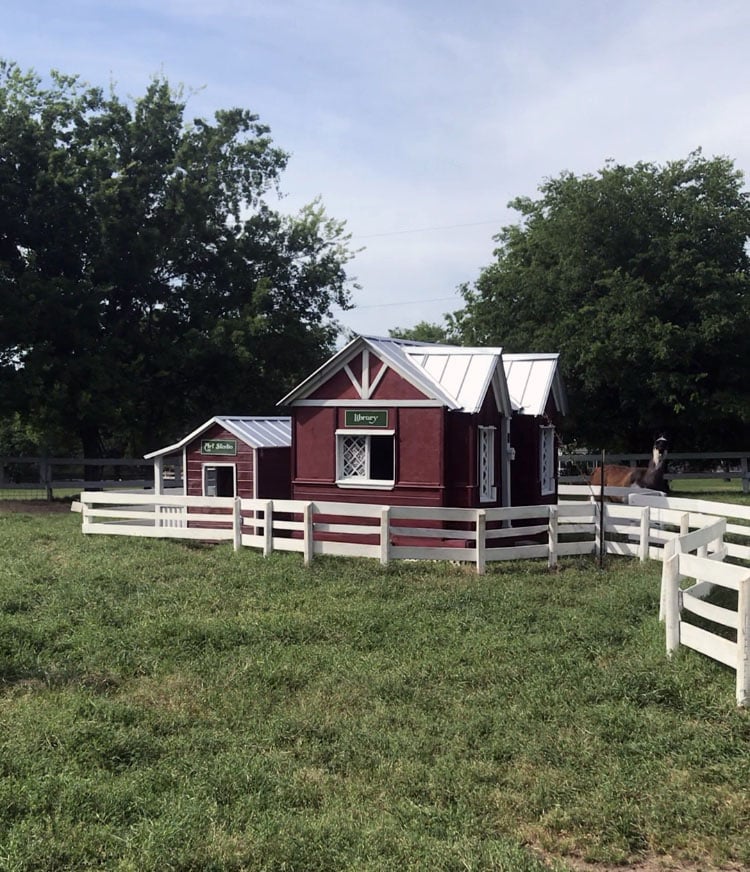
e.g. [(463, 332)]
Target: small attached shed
[(396, 422), (233, 456), (539, 401)]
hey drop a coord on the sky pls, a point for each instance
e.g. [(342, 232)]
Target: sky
[(418, 121)]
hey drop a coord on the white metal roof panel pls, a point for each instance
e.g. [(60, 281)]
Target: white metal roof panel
[(258, 432), (531, 378), (464, 373)]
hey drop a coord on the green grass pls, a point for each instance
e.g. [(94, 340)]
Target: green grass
[(709, 489), (168, 706)]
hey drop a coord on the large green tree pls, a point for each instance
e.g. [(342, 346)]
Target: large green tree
[(639, 276), (145, 282)]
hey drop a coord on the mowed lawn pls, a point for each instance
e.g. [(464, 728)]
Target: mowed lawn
[(171, 706)]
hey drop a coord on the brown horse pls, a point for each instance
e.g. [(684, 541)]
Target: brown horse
[(651, 476)]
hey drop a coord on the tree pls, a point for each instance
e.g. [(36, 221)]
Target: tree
[(423, 331), (640, 277), (145, 283)]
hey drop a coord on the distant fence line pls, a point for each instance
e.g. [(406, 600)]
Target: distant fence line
[(725, 465), (44, 475)]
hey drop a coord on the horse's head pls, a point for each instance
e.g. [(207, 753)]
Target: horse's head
[(660, 450)]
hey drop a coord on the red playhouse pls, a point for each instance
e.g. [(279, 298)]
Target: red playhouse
[(232, 456), (396, 422)]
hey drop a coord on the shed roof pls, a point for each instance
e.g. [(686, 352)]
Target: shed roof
[(531, 378), (455, 376), (465, 374), (257, 432)]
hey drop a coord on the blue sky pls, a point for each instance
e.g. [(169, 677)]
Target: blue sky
[(417, 121)]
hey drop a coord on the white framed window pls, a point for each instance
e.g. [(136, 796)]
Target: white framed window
[(486, 459), (365, 458), (547, 459), (219, 480)]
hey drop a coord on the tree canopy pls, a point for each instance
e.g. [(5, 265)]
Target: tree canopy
[(424, 331), (145, 282), (639, 276)]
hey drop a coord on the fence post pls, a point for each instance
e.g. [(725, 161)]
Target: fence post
[(743, 642), (307, 533), (718, 547), (671, 582), (600, 533), (552, 537), (643, 547), (670, 549), (268, 529), (385, 535), (481, 532), (237, 523), (684, 524), (745, 476), (45, 477)]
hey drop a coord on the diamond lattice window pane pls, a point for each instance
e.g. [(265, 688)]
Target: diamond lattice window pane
[(354, 457)]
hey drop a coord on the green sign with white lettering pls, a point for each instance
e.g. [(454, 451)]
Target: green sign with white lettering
[(219, 446), (366, 417)]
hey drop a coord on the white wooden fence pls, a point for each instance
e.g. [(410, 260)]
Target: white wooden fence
[(709, 573), (385, 533), (573, 526)]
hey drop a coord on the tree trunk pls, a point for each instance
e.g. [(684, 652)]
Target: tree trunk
[(91, 442)]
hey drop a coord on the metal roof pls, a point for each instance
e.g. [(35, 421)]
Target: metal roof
[(457, 377), (530, 379), (465, 374), (257, 432)]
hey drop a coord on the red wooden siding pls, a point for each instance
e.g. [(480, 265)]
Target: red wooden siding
[(274, 473), (393, 387), (419, 448), (525, 484), (314, 445), (243, 461), (461, 460), (339, 386)]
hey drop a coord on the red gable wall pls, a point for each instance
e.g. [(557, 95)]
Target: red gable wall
[(243, 460), (392, 386)]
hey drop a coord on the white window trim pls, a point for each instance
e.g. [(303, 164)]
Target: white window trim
[(356, 482), (204, 466)]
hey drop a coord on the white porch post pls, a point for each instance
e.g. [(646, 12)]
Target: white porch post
[(159, 475)]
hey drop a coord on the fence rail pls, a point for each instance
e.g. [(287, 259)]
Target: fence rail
[(709, 573), (725, 465), (48, 474), (45, 475)]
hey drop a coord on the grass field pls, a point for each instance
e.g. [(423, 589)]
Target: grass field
[(166, 706)]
